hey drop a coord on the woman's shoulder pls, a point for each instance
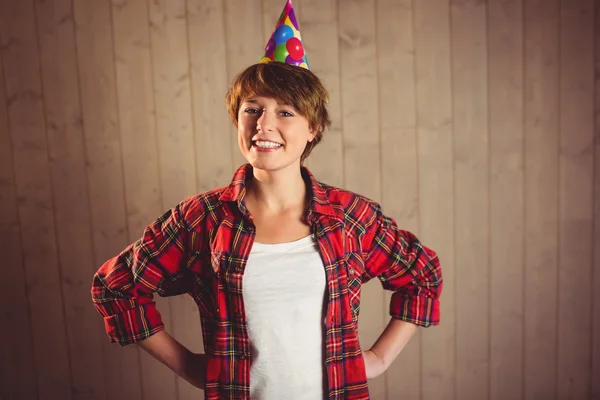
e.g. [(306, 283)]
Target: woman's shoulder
[(351, 205), (195, 209), (341, 196)]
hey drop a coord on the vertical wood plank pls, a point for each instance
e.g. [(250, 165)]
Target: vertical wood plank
[(399, 173), (243, 36), (358, 70), (436, 196), (471, 186), (541, 197), (67, 168), (27, 127), (170, 61), (575, 198), (17, 364), (506, 128), (143, 203), (595, 389), (175, 130), (102, 140), (358, 67), (506, 180), (209, 86), (135, 95), (271, 10), (319, 29)]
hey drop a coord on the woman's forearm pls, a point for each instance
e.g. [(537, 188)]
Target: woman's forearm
[(177, 357), (392, 340)]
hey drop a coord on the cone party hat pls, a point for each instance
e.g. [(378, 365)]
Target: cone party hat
[(285, 44)]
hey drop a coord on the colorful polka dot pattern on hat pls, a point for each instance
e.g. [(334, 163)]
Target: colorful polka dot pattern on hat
[(285, 44)]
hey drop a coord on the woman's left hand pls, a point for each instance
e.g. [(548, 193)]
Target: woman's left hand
[(374, 365)]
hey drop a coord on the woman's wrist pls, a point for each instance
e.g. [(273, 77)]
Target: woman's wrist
[(374, 365), (178, 358), (194, 370)]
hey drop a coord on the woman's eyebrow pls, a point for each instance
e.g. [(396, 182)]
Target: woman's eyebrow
[(255, 101)]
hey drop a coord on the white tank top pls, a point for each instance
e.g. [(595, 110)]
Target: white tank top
[(284, 296)]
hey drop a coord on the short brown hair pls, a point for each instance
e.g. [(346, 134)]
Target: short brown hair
[(288, 84)]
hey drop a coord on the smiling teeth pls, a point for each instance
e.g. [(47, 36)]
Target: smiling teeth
[(267, 145)]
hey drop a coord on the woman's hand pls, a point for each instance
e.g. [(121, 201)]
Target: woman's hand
[(374, 365), (386, 348)]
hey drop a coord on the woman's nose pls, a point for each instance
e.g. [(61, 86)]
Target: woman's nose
[(264, 121)]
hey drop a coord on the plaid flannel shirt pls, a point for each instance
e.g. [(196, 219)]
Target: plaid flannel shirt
[(200, 247)]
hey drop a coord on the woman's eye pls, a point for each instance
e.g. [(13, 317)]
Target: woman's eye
[(251, 111), (287, 114)]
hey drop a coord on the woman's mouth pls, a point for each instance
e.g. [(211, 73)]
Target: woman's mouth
[(265, 145)]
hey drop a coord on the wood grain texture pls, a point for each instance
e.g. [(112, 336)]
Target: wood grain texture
[(175, 130), (359, 97), (137, 114), (212, 136), (541, 68), (141, 164), (472, 196), (576, 151), (474, 123), (436, 180), (69, 180), (27, 127), (506, 198), (17, 364), (104, 168), (399, 173)]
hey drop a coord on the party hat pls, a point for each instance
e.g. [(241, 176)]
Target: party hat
[(285, 44)]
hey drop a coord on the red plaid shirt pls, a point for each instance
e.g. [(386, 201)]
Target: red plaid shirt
[(201, 246)]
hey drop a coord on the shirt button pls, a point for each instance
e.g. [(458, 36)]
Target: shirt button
[(243, 357), (351, 270)]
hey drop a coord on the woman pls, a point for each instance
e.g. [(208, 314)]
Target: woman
[(275, 262)]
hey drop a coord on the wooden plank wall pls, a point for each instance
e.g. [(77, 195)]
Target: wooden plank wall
[(475, 123)]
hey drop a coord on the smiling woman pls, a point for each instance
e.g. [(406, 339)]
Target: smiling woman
[(272, 136), (275, 261), (290, 90)]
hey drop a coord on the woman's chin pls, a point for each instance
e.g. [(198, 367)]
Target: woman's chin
[(270, 165), (265, 166)]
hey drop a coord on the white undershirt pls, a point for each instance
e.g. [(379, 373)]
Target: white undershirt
[(284, 297)]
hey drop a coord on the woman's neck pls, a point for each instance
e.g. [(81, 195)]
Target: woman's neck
[(277, 191)]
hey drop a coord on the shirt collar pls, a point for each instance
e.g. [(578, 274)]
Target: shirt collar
[(319, 202)]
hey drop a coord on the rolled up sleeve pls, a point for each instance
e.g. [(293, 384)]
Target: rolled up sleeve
[(406, 267), (123, 287)]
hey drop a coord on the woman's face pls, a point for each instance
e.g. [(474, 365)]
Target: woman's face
[(271, 136)]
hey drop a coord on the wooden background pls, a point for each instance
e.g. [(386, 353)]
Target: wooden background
[(474, 123)]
